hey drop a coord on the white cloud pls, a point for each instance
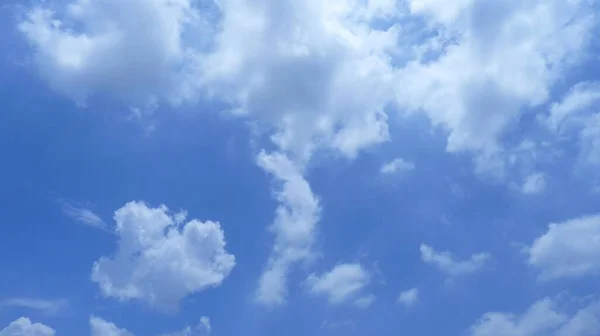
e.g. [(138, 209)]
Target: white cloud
[(579, 113), (205, 323), (364, 301), (302, 67), (132, 50), (49, 307), (568, 249), (580, 98), (83, 215), (497, 60), (343, 282), (294, 226), (397, 166), (534, 184), (203, 328), (409, 297), (100, 327), (446, 262), (542, 318), (160, 260), (24, 327)]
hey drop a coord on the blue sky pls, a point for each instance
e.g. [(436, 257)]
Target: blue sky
[(374, 167)]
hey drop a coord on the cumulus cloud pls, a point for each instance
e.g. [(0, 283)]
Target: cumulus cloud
[(534, 184), (49, 307), (160, 259), (343, 282), (542, 318), (446, 262), (568, 249), (465, 86), (409, 297), (397, 165), (294, 226), (304, 67), (101, 327), (132, 50), (24, 327)]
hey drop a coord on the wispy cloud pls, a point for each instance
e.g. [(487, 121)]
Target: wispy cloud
[(49, 307), (398, 165), (83, 215), (446, 262)]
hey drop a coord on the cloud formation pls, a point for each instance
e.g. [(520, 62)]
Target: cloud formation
[(24, 327), (409, 297), (542, 318), (294, 226), (568, 249), (49, 307), (160, 258), (445, 262), (343, 282)]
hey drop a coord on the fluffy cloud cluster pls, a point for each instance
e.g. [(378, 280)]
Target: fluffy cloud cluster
[(24, 327), (568, 249), (542, 318), (100, 327), (160, 258), (488, 63), (446, 262), (343, 282)]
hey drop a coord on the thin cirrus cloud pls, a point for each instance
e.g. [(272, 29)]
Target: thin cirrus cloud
[(48, 307), (83, 215)]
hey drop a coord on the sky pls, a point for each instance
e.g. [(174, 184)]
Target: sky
[(307, 167)]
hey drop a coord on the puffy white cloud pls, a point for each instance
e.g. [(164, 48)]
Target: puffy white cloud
[(497, 59), (446, 262), (409, 297), (542, 318), (568, 249), (100, 327), (534, 183), (303, 66), (295, 221), (397, 165), (132, 50), (160, 259), (343, 282), (49, 307), (24, 327)]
